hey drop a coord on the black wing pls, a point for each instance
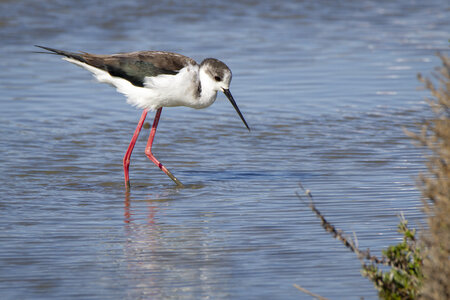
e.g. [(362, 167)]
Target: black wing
[(134, 66)]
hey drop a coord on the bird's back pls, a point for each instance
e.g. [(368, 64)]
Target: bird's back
[(132, 66)]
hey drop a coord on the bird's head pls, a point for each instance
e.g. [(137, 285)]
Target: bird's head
[(219, 77), (218, 73)]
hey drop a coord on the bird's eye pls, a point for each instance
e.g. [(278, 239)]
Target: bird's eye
[(217, 78)]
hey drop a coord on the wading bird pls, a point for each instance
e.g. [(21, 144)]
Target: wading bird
[(152, 80)]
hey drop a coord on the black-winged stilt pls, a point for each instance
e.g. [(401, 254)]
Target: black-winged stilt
[(152, 80)]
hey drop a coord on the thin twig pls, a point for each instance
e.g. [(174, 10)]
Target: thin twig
[(309, 293), (338, 234)]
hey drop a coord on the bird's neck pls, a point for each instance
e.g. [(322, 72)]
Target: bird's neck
[(207, 90)]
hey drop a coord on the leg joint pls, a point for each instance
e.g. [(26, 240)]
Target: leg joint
[(148, 152)]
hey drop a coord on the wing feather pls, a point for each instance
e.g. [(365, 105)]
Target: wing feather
[(133, 66)]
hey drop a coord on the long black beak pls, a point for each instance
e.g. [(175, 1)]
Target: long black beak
[(230, 97)]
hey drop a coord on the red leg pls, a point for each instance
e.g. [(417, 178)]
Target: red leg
[(148, 149), (126, 158)]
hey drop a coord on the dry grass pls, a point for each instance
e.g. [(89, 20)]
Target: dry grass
[(435, 186)]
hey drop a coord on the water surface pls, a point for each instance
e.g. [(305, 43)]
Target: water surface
[(327, 88)]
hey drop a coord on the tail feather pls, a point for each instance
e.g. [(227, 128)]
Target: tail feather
[(63, 53)]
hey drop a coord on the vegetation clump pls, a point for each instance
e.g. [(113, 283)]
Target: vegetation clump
[(413, 269), (435, 186), (397, 274)]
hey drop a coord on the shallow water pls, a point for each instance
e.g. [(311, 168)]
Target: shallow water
[(327, 89)]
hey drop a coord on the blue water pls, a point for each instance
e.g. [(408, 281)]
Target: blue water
[(326, 86)]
